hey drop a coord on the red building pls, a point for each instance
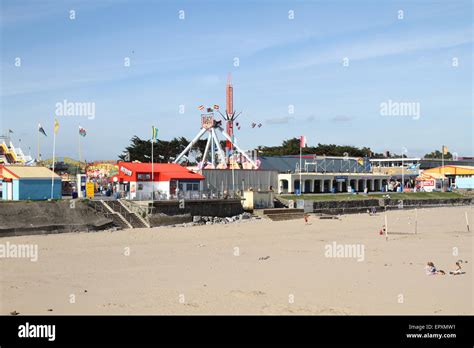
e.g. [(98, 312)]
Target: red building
[(139, 182)]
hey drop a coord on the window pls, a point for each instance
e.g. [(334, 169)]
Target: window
[(189, 186), (143, 177)]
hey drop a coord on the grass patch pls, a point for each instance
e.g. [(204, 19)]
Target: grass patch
[(393, 195)]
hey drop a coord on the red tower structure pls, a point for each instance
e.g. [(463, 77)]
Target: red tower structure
[(229, 110)]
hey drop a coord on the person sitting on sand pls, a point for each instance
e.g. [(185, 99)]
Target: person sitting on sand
[(431, 269), (306, 218), (458, 269)]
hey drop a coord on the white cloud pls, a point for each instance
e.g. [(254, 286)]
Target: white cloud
[(279, 120), (380, 46)]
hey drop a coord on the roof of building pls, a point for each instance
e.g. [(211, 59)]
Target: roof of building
[(429, 163), (329, 164), (430, 176), (397, 159), (162, 171), (451, 170), (30, 172)]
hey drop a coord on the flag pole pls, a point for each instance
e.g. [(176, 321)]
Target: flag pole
[(231, 162), (80, 151), (39, 155), (152, 164), (233, 176), (301, 186), (403, 175), (54, 154)]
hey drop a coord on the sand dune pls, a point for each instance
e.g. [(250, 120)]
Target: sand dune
[(254, 267)]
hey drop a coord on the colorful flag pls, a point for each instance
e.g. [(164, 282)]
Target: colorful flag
[(360, 160), (56, 126), (201, 107), (216, 107), (82, 131), (302, 141), (154, 133), (444, 150), (209, 110), (41, 130)]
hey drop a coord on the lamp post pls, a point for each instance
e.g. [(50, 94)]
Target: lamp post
[(404, 151)]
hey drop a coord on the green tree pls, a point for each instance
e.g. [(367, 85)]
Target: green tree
[(439, 155), (292, 147), (163, 150)]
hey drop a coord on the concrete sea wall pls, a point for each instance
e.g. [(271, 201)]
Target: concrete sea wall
[(43, 217), (170, 212), (361, 206)]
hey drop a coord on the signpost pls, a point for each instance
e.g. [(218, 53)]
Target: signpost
[(90, 190)]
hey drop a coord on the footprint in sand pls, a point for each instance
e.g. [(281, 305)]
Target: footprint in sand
[(300, 310), (195, 305), (115, 305), (240, 293)]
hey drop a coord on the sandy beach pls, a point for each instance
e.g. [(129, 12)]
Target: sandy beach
[(252, 267)]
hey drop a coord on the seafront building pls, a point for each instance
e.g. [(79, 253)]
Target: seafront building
[(29, 183), (147, 181), (324, 174)]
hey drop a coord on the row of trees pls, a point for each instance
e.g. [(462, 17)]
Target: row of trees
[(437, 154), (292, 147), (166, 151)]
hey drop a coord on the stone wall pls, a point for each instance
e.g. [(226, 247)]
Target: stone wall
[(42, 217), (361, 206), (169, 212), (345, 207)]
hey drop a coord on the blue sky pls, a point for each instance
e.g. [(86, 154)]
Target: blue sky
[(282, 62)]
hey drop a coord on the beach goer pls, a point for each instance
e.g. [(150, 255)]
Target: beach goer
[(306, 218), (458, 269), (432, 270)]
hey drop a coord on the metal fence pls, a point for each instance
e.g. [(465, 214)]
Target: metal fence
[(228, 180), (187, 195)]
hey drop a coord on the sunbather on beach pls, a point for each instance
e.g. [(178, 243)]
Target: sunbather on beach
[(458, 269), (431, 269)]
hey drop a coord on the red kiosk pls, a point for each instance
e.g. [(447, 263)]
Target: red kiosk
[(137, 180)]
